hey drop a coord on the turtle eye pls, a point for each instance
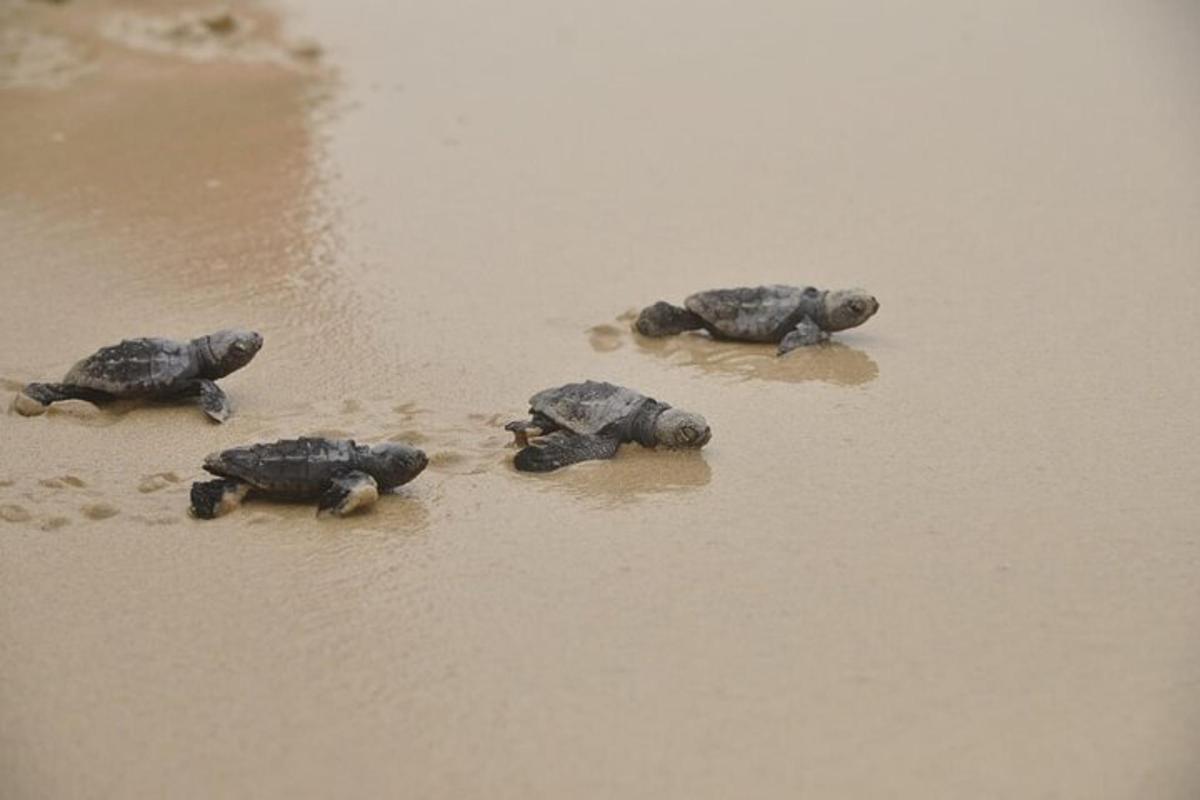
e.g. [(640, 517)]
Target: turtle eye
[(689, 433), (855, 306)]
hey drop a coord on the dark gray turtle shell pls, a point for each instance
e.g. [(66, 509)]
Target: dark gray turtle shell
[(137, 367), (588, 407), (295, 468), (754, 314)]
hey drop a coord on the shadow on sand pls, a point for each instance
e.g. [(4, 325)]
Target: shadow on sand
[(636, 474)]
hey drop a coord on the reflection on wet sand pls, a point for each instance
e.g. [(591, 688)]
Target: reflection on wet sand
[(636, 474), (834, 362)]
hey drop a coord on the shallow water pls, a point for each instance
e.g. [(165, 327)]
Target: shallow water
[(953, 554)]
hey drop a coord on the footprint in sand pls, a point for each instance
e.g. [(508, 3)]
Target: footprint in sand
[(157, 482), (99, 511), (62, 482), (10, 512), (605, 338), (409, 437), (54, 523), (408, 409)]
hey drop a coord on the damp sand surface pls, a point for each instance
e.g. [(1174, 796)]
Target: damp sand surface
[(954, 554)]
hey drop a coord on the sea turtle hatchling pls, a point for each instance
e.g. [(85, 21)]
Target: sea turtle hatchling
[(789, 315), (590, 420), (151, 369), (341, 475)]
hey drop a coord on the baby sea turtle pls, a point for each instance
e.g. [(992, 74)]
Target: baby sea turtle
[(338, 473), (590, 420), (790, 315), (151, 368)]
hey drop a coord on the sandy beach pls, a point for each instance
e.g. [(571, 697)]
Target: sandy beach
[(955, 553)]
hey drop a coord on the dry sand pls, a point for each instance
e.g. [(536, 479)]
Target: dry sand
[(954, 555)]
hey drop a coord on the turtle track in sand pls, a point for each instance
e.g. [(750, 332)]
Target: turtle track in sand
[(58, 501)]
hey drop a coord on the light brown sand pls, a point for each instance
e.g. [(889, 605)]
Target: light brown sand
[(954, 555)]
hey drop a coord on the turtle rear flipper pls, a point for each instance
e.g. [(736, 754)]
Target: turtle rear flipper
[(561, 448), (35, 397), (214, 401), (664, 319), (347, 493), (211, 499)]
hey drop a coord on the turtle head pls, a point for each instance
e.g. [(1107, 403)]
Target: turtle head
[(229, 350), (680, 429), (848, 308), (393, 465)]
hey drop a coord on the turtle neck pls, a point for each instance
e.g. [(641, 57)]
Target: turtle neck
[(202, 346), (641, 426), (812, 305)]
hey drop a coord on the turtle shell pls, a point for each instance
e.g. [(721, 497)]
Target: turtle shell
[(754, 314), (136, 367), (299, 468), (587, 407)]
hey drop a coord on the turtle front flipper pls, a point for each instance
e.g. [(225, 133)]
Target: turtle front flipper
[(214, 401), (348, 492), (805, 334), (562, 448), (211, 499), (36, 397)]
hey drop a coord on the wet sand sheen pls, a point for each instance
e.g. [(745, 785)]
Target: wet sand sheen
[(953, 554)]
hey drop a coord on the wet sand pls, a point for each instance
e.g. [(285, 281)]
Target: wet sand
[(954, 554)]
